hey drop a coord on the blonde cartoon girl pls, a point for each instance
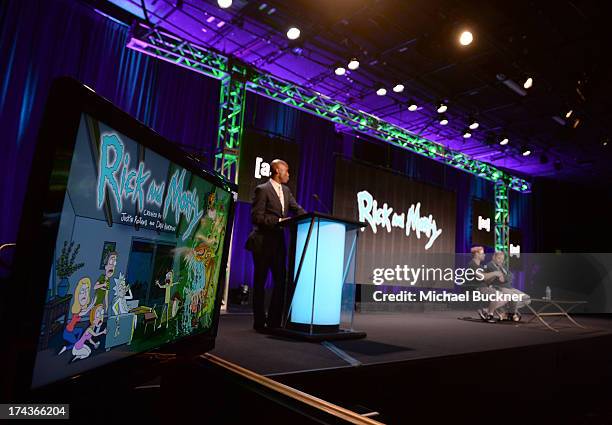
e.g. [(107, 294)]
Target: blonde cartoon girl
[(80, 307), (81, 350)]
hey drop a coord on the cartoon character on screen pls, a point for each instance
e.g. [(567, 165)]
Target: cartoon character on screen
[(123, 293), (212, 235), (200, 262), (80, 307), (81, 350), (167, 286), (196, 278), (102, 286)]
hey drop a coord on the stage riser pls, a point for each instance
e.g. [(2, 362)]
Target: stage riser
[(545, 379)]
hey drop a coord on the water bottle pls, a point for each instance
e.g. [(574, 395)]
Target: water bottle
[(548, 293)]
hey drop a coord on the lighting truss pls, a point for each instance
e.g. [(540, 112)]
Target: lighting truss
[(168, 47), (236, 78), (163, 45), (231, 119), (502, 230)]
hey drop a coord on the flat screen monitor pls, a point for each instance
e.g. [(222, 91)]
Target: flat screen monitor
[(123, 244)]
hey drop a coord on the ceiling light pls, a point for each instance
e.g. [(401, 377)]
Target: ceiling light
[(224, 4), (511, 84), (467, 134), (340, 70), (412, 106), (474, 124), (604, 141), (442, 108), (504, 141), (381, 91), (466, 38), (528, 83), (398, 88), (559, 120), (293, 33), (353, 64), (525, 151), (443, 120), (569, 113)]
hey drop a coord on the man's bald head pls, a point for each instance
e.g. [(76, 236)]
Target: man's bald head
[(280, 171)]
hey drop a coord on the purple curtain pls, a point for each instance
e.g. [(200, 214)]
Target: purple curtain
[(42, 40)]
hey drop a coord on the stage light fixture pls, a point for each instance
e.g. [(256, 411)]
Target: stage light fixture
[(224, 4), (381, 91), (511, 84), (353, 64), (443, 120), (412, 106), (528, 83), (559, 120), (504, 141), (398, 88), (569, 113), (293, 33), (466, 38), (467, 133), (474, 124), (339, 70), (442, 107), (604, 141), (525, 151)]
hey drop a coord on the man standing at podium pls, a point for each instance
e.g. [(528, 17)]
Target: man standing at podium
[(271, 204)]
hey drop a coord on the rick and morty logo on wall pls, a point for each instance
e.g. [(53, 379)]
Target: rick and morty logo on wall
[(385, 217)]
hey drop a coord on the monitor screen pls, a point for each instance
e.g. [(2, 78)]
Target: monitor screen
[(138, 252)]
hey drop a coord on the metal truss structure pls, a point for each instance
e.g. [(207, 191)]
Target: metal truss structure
[(502, 209), (236, 78), (231, 119)]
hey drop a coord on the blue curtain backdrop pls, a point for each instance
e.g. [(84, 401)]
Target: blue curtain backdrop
[(42, 40)]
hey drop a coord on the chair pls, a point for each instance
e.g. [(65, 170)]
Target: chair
[(149, 317)]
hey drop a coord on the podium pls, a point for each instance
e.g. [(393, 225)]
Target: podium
[(321, 278)]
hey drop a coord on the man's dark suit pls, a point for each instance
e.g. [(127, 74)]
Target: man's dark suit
[(267, 243)]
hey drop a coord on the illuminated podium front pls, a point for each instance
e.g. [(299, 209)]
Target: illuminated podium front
[(321, 295)]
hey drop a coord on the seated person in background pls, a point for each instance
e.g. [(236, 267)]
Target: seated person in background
[(504, 285), (485, 286)]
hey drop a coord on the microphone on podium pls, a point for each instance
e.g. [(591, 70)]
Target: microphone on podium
[(316, 197)]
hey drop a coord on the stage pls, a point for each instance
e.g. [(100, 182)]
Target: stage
[(393, 337), (412, 364)]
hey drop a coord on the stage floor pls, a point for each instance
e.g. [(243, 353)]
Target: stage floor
[(391, 338)]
